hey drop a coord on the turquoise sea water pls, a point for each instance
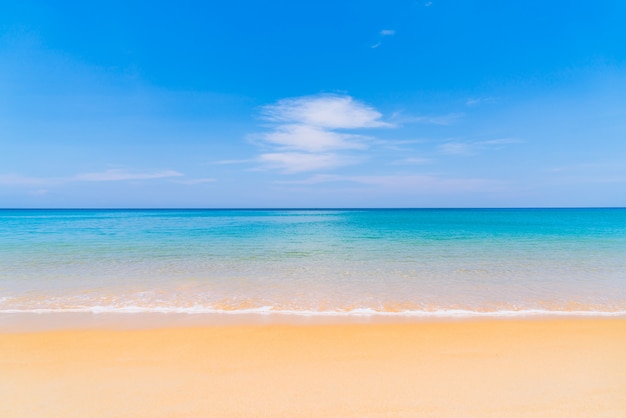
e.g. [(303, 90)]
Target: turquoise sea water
[(315, 262)]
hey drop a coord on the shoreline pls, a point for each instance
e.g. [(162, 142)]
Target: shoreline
[(504, 367), (24, 322)]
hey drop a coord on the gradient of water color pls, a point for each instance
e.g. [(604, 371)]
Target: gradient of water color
[(423, 262)]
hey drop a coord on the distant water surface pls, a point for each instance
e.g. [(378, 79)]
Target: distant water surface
[(423, 262)]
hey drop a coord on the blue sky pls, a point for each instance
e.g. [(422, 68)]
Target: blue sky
[(313, 104)]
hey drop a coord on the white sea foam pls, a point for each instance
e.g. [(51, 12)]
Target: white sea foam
[(361, 312)]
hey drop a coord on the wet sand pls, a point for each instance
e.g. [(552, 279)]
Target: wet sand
[(565, 367)]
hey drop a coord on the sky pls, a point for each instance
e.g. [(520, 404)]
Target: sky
[(287, 104)]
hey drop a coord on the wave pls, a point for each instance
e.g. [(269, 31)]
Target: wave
[(361, 312)]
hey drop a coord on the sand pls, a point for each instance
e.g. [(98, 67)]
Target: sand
[(499, 368)]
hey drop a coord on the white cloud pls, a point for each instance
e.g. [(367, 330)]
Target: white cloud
[(311, 138), (455, 148), (448, 119), (429, 182), (327, 111), (468, 148), (120, 175), (412, 161), (501, 141), (295, 162), (228, 162), (309, 131), (474, 101), (317, 179), (383, 33), (411, 183), (19, 180), (192, 182), (604, 166), (103, 176)]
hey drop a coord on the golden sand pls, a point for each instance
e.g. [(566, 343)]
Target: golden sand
[(563, 368)]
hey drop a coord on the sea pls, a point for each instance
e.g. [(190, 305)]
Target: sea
[(315, 262)]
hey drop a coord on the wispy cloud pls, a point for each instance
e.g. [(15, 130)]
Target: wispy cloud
[(21, 180), (470, 148), (447, 119), (308, 132), (295, 162), (410, 183), (400, 145), (593, 167), (192, 182), (412, 161), (579, 167), (459, 148), (501, 141), (383, 34), (102, 176), (121, 175), (475, 101), (229, 162)]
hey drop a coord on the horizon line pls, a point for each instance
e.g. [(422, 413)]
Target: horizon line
[(317, 208)]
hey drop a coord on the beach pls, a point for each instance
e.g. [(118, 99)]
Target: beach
[(313, 313), (312, 209), (509, 367)]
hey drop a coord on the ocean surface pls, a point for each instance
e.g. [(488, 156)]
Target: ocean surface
[(422, 262)]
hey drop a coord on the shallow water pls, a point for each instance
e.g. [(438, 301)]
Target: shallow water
[(425, 262)]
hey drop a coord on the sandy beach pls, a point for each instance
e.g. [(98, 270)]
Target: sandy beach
[(564, 367)]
